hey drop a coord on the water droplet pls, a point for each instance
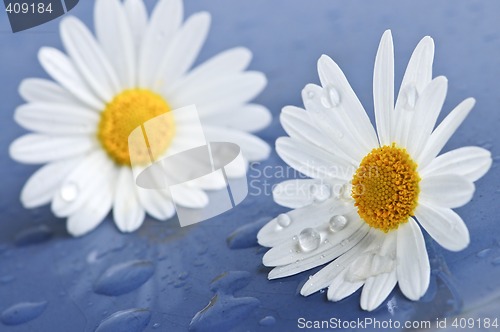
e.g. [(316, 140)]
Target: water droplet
[(283, 220), (309, 239), (123, 278), (156, 325), (410, 97), (267, 321), (132, 320), (33, 235), (496, 261), (338, 223), (331, 98), (344, 242), (483, 253), (22, 312), (310, 94), (320, 192), (6, 279), (295, 238), (69, 192), (246, 235)]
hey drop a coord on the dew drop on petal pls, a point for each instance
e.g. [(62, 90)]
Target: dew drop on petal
[(320, 192), (410, 97), (284, 220), (309, 239), (338, 223), (333, 96), (310, 94), (69, 192)]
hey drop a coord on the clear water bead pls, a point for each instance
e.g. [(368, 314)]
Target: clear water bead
[(69, 192), (309, 239), (410, 96), (338, 223), (310, 94), (331, 98), (320, 192), (284, 220)]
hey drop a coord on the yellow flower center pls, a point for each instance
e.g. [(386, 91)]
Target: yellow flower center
[(385, 187), (127, 111)]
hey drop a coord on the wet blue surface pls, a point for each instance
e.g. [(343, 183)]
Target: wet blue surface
[(161, 277)]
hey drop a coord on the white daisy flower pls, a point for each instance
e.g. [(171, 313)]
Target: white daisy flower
[(136, 68), (359, 210)]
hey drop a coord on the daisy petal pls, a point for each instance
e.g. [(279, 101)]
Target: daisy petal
[(165, 21), (89, 58), (225, 63), (249, 118), (127, 210), (413, 269), (92, 213), (323, 278), (310, 216), (93, 173), (340, 288), (137, 16), (116, 39), (427, 111), (312, 161), (61, 69), (183, 50), (377, 289), (331, 75), (44, 183), (39, 149), (190, 197), (383, 88), (471, 162), (444, 225), (56, 119), (443, 132), (156, 204), (447, 190), (39, 90), (295, 193), (317, 260), (252, 147)]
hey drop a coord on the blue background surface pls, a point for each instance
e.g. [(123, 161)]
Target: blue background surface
[(164, 272)]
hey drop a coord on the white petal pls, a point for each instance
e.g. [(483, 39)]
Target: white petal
[(383, 88), (89, 58), (312, 161), (447, 190), (127, 210), (94, 172), (326, 275), (253, 148), (226, 63), (471, 162), (310, 216), (418, 74), (297, 193), (156, 204), (249, 118), (317, 260), (332, 243), (331, 75), (190, 197), (165, 21), (426, 111), (413, 270), (340, 288), (57, 119), (377, 289), (44, 183), (443, 132), (39, 149), (183, 50), (221, 93), (92, 213), (45, 91), (116, 39), (61, 68), (444, 225), (137, 16)]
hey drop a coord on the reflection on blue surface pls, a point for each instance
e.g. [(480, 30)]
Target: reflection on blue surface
[(41, 264)]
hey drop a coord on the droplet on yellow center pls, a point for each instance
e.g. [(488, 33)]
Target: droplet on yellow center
[(127, 111), (385, 187)]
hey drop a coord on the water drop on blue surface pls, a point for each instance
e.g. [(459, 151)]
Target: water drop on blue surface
[(33, 235), (337, 223), (229, 282), (309, 239), (131, 320), (496, 261), (246, 235), (123, 278), (7, 278), (22, 312), (267, 321), (483, 253)]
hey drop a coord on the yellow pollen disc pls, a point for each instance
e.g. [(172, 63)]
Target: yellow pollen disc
[(127, 111), (385, 187)]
